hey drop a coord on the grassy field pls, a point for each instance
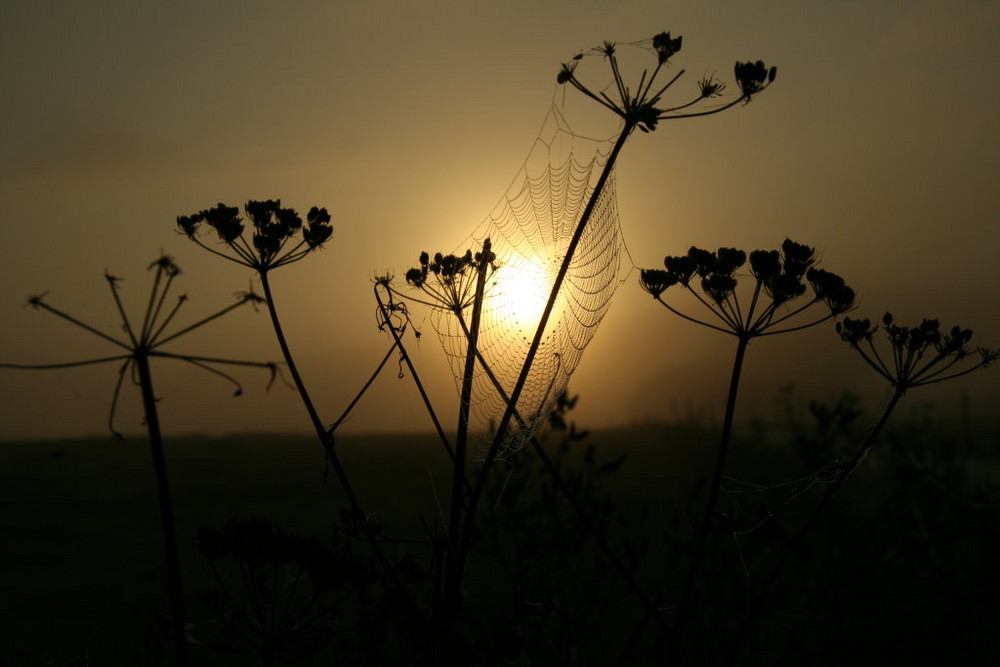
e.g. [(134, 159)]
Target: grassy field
[(904, 567)]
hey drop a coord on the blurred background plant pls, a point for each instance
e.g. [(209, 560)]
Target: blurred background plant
[(915, 356), (140, 345), (279, 596)]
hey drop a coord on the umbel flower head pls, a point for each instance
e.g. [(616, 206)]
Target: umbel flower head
[(146, 340), (780, 277), (449, 281), (642, 105), (278, 236), (917, 355)]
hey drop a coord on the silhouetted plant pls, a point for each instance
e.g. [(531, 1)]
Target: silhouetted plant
[(778, 303), (563, 595), (915, 356), (277, 237), (642, 106), (449, 281), (140, 345), (455, 284), (283, 594)]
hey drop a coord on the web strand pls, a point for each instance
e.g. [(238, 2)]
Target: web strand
[(530, 228)]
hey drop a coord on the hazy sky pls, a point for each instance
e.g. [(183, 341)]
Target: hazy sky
[(878, 144)]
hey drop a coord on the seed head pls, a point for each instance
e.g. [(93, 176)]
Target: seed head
[(319, 229), (729, 260), (765, 265), (665, 46), (854, 331), (718, 286), (753, 77), (225, 220), (710, 87), (831, 289), (682, 268), (656, 281)]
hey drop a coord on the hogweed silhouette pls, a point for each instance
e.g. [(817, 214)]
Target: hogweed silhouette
[(455, 284), (140, 345), (275, 238), (912, 356), (643, 106), (279, 592), (787, 288), (447, 283)]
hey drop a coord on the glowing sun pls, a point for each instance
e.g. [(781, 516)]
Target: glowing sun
[(521, 291)]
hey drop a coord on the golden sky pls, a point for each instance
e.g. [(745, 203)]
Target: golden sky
[(877, 144)]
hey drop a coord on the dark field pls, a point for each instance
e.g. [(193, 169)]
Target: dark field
[(904, 567)]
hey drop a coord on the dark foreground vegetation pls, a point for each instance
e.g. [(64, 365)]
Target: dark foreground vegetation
[(535, 543), (903, 567)]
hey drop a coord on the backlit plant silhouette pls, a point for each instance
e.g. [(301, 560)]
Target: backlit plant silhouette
[(786, 290), (913, 357), (456, 283), (275, 238), (140, 345), (279, 592)]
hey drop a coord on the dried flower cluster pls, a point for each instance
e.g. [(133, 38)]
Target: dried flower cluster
[(449, 281), (273, 242), (782, 276), (642, 106), (147, 340), (918, 355)]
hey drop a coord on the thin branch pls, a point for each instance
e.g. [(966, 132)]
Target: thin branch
[(70, 318)]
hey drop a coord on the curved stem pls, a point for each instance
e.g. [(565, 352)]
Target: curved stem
[(325, 436), (810, 521), (413, 371)]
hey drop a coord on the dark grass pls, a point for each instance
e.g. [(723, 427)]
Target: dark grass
[(904, 566)]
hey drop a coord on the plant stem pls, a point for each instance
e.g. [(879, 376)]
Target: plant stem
[(413, 373), (174, 588), (713, 492), (456, 557), (536, 342), (651, 609), (811, 520), (325, 436)]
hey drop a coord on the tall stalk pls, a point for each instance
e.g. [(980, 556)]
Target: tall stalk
[(279, 238), (814, 515), (324, 435), (917, 356), (529, 359), (708, 513), (779, 279), (550, 466), (456, 565), (137, 346), (174, 588), (386, 311)]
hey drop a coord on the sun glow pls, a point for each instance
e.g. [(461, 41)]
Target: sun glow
[(521, 291)]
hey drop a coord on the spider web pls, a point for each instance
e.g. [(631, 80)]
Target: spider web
[(530, 228)]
